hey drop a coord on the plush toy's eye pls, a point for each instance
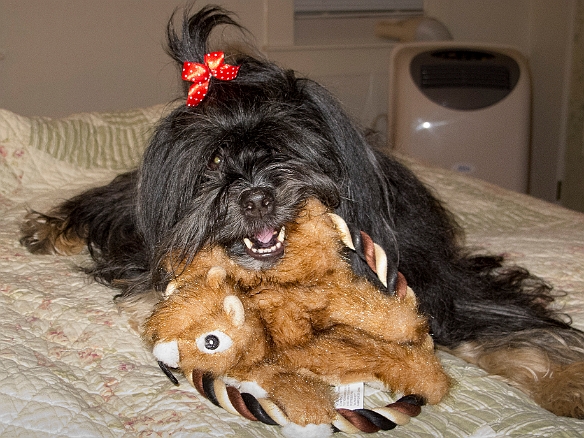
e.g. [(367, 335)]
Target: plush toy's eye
[(214, 342), (211, 342), (215, 161)]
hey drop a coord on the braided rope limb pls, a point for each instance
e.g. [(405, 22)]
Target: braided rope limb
[(266, 411)]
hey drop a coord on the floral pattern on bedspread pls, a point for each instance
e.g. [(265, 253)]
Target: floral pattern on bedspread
[(70, 365)]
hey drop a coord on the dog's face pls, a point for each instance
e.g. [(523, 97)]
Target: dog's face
[(235, 174), (258, 177), (238, 166)]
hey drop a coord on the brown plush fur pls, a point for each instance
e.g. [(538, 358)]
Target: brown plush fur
[(308, 322), (198, 308), (313, 288)]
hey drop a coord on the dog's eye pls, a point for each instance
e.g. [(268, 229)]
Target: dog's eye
[(215, 161)]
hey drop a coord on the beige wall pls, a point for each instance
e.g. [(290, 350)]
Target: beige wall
[(58, 57), (63, 56)]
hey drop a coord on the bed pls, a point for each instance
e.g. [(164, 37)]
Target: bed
[(70, 365)]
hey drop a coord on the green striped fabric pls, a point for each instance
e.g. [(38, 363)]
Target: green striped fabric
[(105, 140)]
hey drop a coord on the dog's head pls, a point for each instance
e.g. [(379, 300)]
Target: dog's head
[(237, 167)]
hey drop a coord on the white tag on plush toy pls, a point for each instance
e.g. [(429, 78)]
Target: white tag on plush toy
[(349, 396)]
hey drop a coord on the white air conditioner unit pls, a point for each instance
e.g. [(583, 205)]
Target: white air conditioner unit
[(462, 106)]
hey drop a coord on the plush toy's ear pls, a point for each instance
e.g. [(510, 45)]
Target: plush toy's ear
[(167, 353), (216, 276), (410, 297), (343, 230), (234, 308)]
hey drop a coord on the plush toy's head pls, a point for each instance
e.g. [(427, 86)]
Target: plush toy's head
[(203, 325)]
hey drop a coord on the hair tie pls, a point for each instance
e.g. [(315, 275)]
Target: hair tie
[(200, 75)]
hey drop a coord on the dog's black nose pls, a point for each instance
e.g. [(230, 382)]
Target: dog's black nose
[(256, 203)]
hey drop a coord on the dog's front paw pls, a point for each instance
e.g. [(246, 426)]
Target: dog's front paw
[(42, 234), (38, 233)]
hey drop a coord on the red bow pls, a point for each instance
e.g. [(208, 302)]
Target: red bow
[(200, 75)]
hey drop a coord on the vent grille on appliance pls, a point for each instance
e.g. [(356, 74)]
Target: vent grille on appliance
[(465, 76), (464, 79)]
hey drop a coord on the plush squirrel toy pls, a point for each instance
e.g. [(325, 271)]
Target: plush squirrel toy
[(290, 332)]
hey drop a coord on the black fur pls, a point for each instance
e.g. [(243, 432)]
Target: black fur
[(278, 139)]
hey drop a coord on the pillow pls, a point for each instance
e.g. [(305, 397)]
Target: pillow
[(38, 153)]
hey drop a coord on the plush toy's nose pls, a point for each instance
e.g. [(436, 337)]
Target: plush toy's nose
[(257, 202)]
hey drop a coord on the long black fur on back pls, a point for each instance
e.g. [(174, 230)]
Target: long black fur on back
[(289, 137)]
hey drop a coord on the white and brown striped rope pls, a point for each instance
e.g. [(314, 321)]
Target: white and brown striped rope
[(266, 411)]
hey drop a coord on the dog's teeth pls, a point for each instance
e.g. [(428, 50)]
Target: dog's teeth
[(267, 250), (282, 235), (277, 246)]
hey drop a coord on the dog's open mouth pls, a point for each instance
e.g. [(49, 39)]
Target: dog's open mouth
[(266, 244)]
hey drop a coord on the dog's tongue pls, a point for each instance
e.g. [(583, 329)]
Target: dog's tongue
[(265, 236)]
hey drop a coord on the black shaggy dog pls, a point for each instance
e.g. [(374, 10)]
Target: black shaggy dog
[(237, 167)]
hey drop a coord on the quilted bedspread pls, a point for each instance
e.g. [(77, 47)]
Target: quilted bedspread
[(70, 365)]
